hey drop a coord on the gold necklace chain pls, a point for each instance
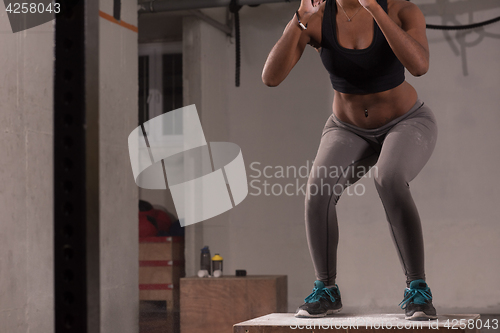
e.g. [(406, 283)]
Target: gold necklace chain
[(348, 18)]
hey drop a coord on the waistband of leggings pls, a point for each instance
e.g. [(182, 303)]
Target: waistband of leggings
[(373, 131)]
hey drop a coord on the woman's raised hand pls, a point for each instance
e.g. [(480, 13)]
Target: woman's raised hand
[(367, 3), (309, 7)]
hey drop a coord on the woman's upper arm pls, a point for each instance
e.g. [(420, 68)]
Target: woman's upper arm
[(413, 23)]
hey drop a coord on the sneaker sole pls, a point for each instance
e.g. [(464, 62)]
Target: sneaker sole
[(305, 314), (420, 315)]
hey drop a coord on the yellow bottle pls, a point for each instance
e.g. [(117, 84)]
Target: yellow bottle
[(217, 265)]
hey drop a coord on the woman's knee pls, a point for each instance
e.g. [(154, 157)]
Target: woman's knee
[(390, 181), (320, 192)]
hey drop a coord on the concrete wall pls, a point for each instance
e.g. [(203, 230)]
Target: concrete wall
[(26, 176), (456, 192), (26, 239), (118, 80)]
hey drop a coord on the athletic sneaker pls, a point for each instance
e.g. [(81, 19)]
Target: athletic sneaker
[(322, 301), (417, 302)]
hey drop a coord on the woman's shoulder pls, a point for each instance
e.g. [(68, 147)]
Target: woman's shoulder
[(400, 10), (398, 6)]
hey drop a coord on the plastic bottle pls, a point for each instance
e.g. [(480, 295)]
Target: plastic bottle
[(205, 261), (217, 265)]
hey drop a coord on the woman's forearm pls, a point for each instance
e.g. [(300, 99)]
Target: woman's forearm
[(412, 54)]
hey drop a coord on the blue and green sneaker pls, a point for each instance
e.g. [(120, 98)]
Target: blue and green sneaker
[(321, 302), (417, 302)]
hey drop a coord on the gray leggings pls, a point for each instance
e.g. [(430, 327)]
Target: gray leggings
[(400, 149)]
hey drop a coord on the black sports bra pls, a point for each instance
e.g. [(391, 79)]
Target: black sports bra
[(364, 71)]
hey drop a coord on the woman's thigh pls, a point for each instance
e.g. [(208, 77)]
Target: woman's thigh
[(408, 146), (343, 157)]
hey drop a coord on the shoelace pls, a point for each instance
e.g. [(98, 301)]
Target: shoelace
[(317, 294), (411, 294)]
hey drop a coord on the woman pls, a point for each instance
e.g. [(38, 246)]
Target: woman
[(377, 118)]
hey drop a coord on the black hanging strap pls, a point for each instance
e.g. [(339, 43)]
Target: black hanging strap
[(235, 8)]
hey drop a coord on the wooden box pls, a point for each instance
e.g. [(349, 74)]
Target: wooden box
[(348, 323), (161, 248), (214, 305), (161, 265)]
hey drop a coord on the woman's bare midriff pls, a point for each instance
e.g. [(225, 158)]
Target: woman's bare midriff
[(381, 107)]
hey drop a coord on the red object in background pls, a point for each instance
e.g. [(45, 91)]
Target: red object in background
[(162, 219), (148, 228)]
